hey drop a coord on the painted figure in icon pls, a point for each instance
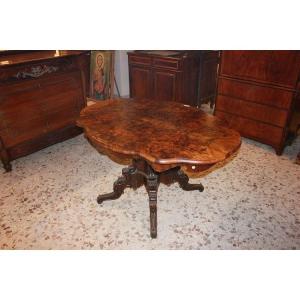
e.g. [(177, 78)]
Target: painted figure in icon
[(99, 78)]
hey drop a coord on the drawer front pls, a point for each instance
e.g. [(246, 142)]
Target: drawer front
[(258, 112), (64, 100), (252, 129), (39, 106), (62, 110), (139, 60), (166, 63), (272, 66), (21, 115), (23, 130), (254, 93)]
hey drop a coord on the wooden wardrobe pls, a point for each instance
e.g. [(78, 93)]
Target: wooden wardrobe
[(257, 94)]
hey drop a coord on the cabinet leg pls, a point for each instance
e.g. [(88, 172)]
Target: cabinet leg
[(5, 157), (298, 159), (7, 166), (279, 151)]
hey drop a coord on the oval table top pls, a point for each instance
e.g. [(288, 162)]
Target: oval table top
[(166, 134)]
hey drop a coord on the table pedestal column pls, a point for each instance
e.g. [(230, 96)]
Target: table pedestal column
[(141, 173)]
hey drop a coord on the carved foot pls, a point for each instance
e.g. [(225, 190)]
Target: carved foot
[(183, 181), (119, 187), (152, 186)]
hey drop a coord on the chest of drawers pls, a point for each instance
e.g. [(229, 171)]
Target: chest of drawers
[(41, 96), (257, 94)]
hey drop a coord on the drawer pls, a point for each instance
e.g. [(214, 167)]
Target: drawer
[(252, 129), (258, 112), (280, 67), (23, 130), (67, 79), (140, 60), (166, 63), (61, 119), (18, 87), (255, 93)]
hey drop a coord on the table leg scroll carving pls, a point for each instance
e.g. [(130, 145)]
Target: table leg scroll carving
[(126, 180), (183, 181), (119, 187)]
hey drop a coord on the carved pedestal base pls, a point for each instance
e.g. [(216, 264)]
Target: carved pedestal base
[(141, 173)]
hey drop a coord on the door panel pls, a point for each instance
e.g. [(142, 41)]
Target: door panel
[(140, 78), (164, 85)]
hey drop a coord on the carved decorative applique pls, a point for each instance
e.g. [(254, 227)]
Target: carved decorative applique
[(36, 71)]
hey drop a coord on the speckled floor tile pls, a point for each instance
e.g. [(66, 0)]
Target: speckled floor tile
[(48, 201)]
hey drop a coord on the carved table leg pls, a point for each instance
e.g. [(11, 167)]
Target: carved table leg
[(126, 180), (152, 187), (183, 181)]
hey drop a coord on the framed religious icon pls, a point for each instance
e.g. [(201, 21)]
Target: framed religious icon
[(102, 74)]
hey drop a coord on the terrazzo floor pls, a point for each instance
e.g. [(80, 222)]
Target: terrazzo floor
[(48, 201)]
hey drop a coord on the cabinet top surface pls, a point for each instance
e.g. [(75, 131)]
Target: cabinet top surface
[(168, 53), (164, 53), (8, 59), (160, 132)]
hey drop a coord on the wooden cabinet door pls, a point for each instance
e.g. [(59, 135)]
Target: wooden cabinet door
[(165, 85), (208, 75), (140, 82)]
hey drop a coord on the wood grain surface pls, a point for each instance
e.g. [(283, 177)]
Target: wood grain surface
[(165, 134)]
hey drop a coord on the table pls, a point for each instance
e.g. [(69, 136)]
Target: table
[(164, 141)]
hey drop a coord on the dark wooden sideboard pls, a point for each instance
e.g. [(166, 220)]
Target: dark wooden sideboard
[(187, 77), (41, 96), (257, 94)]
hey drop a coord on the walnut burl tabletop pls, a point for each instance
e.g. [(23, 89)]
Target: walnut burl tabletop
[(164, 141)]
